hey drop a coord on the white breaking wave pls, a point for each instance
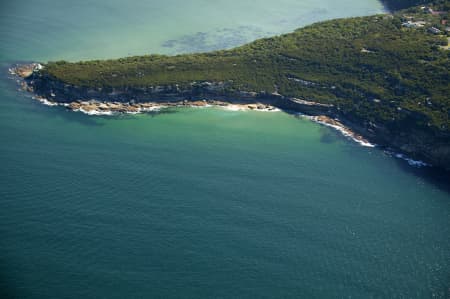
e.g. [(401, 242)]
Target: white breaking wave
[(47, 102), (111, 112), (343, 130), (151, 109), (204, 106), (232, 107), (411, 162), (94, 112), (346, 132)]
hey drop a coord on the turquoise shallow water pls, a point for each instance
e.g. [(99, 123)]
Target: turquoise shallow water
[(86, 29), (199, 203)]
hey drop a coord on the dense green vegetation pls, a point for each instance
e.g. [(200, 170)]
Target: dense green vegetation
[(370, 68)]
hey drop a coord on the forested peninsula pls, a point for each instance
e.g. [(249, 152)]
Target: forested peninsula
[(385, 76)]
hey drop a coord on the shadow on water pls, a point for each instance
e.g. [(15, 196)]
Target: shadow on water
[(328, 137), (432, 175)]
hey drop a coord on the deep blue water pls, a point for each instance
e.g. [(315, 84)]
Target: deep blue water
[(200, 203)]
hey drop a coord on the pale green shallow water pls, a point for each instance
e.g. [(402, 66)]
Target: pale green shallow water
[(199, 203), (86, 29)]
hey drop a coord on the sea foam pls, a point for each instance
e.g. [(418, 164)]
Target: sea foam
[(411, 162)]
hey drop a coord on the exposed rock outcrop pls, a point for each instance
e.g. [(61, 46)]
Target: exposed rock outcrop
[(432, 148)]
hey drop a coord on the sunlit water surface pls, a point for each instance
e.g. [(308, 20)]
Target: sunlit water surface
[(199, 203)]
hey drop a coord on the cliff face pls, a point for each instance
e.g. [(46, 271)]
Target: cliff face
[(433, 149), (422, 144), (57, 91), (381, 78)]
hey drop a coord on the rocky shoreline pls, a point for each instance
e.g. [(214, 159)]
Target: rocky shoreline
[(337, 125), (53, 93), (94, 107), (92, 102)]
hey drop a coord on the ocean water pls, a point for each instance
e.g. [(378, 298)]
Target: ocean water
[(199, 203)]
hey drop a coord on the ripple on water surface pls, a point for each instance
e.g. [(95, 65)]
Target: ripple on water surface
[(199, 202)]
